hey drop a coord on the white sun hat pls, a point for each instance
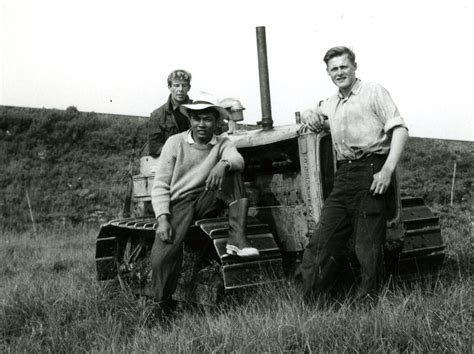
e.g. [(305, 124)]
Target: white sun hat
[(205, 100)]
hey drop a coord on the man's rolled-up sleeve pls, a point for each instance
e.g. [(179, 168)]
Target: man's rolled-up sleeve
[(386, 109)]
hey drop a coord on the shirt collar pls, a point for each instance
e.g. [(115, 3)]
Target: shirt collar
[(354, 90), (173, 106), (191, 141)]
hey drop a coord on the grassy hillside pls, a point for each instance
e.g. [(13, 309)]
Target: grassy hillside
[(427, 170), (74, 166)]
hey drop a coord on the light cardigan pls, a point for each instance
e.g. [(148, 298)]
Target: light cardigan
[(184, 166)]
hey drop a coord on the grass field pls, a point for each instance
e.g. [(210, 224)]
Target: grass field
[(51, 302), (73, 166)]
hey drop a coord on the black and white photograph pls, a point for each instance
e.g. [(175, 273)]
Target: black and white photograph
[(236, 176)]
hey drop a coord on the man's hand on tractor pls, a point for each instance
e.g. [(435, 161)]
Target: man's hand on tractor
[(165, 231), (315, 121)]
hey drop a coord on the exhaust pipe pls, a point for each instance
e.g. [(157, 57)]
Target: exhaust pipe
[(267, 121)]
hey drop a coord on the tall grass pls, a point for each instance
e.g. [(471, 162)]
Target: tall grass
[(51, 302)]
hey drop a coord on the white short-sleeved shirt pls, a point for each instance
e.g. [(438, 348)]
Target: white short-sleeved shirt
[(361, 123)]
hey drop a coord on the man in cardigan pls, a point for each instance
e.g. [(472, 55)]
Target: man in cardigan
[(198, 173)]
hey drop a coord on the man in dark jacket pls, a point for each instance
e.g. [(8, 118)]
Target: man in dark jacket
[(168, 120)]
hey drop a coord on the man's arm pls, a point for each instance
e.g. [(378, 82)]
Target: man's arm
[(156, 135), (230, 160), (216, 175), (164, 231), (229, 153), (160, 193), (315, 119), (383, 177)]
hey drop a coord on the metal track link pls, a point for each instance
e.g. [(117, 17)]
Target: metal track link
[(241, 272)]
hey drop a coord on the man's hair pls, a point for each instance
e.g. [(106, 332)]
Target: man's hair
[(179, 74), (337, 52)]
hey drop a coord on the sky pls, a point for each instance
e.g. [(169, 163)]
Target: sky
[(114, 56)]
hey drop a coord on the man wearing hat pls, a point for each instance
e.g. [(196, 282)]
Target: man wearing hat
[(168, 119), (198, 174)]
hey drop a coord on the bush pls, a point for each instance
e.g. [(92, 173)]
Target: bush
[(70, 163)]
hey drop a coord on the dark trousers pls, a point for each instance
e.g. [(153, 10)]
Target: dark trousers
[(349, 210), (167, 258)]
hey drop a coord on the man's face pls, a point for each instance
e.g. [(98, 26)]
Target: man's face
[(202, 126), (342, 72), (179, 90)]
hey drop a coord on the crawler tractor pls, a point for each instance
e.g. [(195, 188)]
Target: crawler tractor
[(288, 174)]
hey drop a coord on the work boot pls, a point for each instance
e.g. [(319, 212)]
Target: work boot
[(237, 243)]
